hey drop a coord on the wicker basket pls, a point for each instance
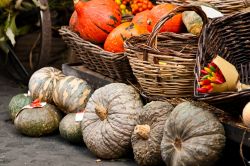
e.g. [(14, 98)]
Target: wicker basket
[(113, 65), (163, 64), (225, 6), (228, 37)]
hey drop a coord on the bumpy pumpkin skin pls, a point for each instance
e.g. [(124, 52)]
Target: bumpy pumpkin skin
[(147, 150), (17, 103), (43, 82), (107, 133), (141, 19), (37, 122), (71, 94), (192, 136), (70, 129)]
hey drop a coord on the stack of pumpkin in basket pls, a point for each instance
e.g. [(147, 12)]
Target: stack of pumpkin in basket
[(112, 121)]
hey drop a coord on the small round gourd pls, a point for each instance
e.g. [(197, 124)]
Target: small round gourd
[(43, 82), (147, 135), (71, 94), (70, 129), (109, 120), (192, 136), (17, 103), (37, 122), (246, 115)]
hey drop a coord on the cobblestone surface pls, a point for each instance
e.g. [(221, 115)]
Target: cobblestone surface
[(19, 150)]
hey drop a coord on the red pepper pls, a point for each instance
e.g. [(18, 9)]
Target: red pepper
[(205, 82), (202, 90), (204, 72)]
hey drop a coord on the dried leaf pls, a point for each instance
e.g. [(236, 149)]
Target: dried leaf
[(11, 36)]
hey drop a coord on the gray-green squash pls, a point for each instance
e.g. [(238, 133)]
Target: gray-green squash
[(17, 103), (37, 122), (70, 129), (109, 120), (147, 135), (43, 82), (71, 94), (192, 136)]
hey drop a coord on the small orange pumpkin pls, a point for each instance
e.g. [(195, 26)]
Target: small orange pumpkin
[(114, 41), (141, 19), (175, 24)]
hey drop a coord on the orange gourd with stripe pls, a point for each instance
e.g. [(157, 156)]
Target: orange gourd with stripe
[(96, 19), (141, 18)]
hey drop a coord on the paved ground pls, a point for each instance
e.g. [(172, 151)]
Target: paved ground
[(19, 150)]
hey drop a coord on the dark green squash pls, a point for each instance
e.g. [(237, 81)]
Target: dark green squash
[(17, 103), (70, 129), (37, 122)]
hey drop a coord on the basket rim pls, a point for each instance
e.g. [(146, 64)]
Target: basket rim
[(66, 31)]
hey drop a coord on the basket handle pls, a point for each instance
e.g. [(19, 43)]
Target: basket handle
[(153, 36)]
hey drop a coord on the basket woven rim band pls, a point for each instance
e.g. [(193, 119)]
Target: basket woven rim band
[(153, 36), (247, 2)]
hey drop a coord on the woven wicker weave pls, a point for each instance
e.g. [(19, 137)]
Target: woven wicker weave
[(224, 6), (228, 37), (163, 64), (113, 65)]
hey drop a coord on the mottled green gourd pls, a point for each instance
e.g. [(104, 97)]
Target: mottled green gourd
[(71, 94), (37, 122), (109, 120), (192, 20), (70, 129), (42, 83), (147, 135), (17, 103), (192, 136)]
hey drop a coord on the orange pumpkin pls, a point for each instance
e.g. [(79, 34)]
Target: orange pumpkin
[(96, 19), (114, 41), (141, 19), (73, 21), (175, 24)]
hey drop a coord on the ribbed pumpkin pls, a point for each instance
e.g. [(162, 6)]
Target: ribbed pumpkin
[(71, 94), (43, 82), (17, 103), (141, 19), (70, 129), (175, 24), (38, 121), (114, 41), (147, 135), (109, 120), (192, 136), (96, 19)]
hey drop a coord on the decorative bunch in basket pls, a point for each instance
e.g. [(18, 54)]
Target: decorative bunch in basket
[(163, 63), (229, 38)]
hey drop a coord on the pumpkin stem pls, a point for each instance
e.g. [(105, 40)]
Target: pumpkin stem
[(142, 131), (177, 143), (101, 112)]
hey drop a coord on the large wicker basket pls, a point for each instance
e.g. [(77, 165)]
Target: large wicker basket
[(163, 64), (228, 37), (92, 56), (225, 6)]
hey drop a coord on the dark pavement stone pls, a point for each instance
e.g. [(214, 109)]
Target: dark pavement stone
[(52, 150)]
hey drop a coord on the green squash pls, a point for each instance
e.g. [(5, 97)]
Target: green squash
[(36, 122), (17, 103), (70, 129)]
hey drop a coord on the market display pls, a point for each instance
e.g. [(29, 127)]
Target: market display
[(70, 129), (192, 136), (148, 132), (71, 94), (110, 119), (43, 82), (17, 103)]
